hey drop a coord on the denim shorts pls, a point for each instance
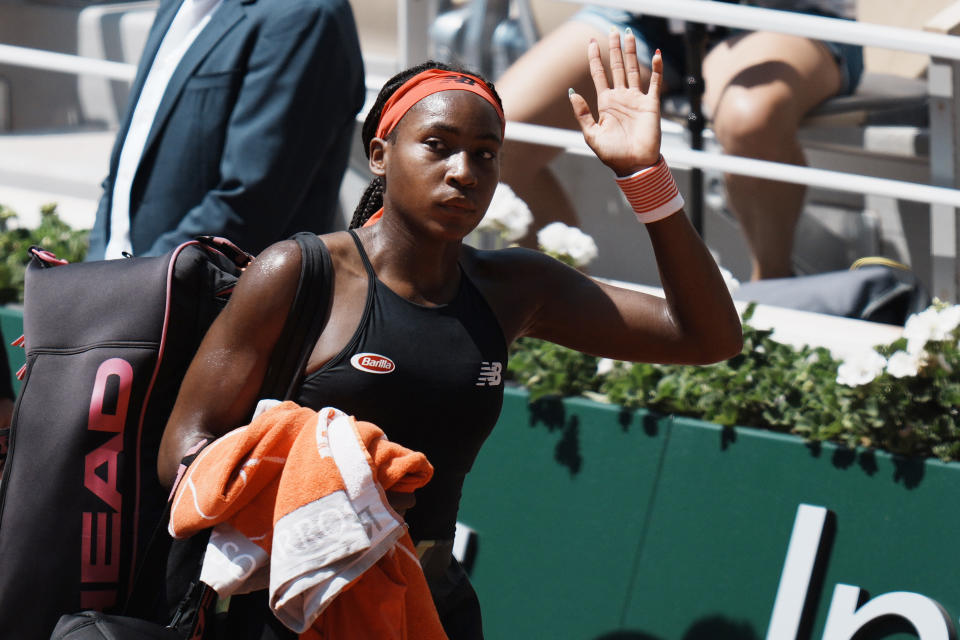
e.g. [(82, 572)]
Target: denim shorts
[(653, 32)]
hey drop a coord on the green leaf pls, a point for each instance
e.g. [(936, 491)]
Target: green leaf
[(52, 233)]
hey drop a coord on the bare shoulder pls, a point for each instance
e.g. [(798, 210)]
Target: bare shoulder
[(280, 263), (340, 244), (273, 266), (514, 282), (268, 285), (515, 268), (508, 265)]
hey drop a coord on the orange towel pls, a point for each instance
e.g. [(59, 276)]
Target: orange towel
[(297, 503)]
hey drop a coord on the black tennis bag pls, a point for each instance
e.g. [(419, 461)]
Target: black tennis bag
[(107, 344)]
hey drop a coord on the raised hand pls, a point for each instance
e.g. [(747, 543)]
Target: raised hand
[(626, 135)]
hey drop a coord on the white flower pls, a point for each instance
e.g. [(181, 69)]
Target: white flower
[(560, 240), (507, 215), (904, 364), (930, 324), (732, 283), (918, 328), (948, 319), (861, 368), (605, 366)]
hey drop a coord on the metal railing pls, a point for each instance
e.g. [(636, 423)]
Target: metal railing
[(944, 199), (572, 142), (798, 24), (724, 14), (66, 63), (943, 82)]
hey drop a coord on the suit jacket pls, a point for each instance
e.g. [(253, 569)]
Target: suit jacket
[(252, 135)]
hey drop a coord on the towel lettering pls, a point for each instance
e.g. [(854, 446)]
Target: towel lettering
[(305, 534), (101, 534), (235, 556), (369, 521)]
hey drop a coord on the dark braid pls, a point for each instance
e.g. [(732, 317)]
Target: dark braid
[(370, 202), (372, 199)]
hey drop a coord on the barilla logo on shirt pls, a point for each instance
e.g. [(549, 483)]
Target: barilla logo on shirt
[(372, 363)]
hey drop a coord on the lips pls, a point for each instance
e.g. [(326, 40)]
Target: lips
[(459, 203)]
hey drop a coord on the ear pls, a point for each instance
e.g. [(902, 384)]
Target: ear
[(377, 155)]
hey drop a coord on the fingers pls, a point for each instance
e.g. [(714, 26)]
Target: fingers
[(581, 111), (630, 60), (596, 67), (617, 71), (624, 66), (401, 502), (656, 75)]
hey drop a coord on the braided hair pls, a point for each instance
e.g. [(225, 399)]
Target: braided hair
[(372, 199)]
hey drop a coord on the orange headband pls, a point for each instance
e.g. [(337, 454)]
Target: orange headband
[(427, 83)]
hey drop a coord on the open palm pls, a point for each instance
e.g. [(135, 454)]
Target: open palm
[(626, 135)]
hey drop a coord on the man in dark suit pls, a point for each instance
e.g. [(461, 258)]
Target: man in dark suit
[(245, 133)]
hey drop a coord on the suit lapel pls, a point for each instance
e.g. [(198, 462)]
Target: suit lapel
[(165, 14), (223, 19)]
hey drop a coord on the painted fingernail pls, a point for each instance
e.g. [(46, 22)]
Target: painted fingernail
[(613, 30), (570, 91), (657, 52), (629, 31)]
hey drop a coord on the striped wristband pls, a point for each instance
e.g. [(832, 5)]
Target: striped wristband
[(652, 192)]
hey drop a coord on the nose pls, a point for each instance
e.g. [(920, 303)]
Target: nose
[(460, 170)]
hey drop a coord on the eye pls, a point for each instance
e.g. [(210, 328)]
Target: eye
[(435, 144), (487, 152)]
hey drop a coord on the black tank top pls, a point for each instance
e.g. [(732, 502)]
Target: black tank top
[(430, 377)]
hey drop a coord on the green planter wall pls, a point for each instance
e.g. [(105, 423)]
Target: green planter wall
[(596, 523), (11, 325)]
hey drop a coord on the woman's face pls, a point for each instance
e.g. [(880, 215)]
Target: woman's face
[(442, 165)]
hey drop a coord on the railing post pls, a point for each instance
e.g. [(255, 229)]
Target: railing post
[(695, 41), (414, 18), (943, 78)]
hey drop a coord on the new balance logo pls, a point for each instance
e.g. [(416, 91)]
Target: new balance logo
[(490, 374)]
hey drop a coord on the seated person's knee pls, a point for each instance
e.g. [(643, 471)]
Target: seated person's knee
[(750, 122)]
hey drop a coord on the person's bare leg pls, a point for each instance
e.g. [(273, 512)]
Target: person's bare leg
[(534, 90), (758, 88)]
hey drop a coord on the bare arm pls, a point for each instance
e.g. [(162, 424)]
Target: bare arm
[(221, 386), (697, 321)]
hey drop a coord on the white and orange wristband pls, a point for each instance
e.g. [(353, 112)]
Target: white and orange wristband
[(652, 192)]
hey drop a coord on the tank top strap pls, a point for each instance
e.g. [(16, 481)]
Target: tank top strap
[(363, 255)]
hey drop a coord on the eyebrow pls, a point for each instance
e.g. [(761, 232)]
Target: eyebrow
[(456, 130)]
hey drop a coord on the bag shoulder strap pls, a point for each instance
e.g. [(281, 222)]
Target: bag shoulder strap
[(305, 322)]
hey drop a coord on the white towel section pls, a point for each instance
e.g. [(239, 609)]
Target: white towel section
[(319, 548)]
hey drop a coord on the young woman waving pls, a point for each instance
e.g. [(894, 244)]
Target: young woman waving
[(420, 323)]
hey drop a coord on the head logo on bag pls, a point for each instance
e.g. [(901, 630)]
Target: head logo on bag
[(79, 496), (108, 412)]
